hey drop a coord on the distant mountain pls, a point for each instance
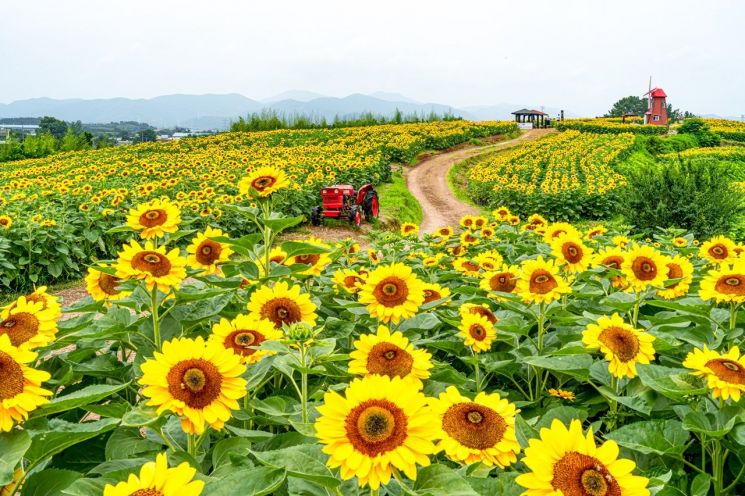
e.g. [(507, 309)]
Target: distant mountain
[(217, 111)]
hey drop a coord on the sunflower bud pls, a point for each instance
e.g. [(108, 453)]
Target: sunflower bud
[(299, 332)]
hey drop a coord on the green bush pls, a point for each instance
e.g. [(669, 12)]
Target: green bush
[(676, 143), (696, 196), (701, 131)]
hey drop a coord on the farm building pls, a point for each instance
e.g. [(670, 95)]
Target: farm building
[(657, 113)]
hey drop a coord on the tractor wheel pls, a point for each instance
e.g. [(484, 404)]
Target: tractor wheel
[(370, 205), (355, 216), (315, 216)]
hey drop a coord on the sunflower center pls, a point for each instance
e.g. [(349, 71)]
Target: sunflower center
[(153, 218), (731, 284), (477, 332), (263, 182), (542, 282), (484, 312), (311, 259), (674, 271), (470, 266), (153, 262), (376, 426), (644, 268), (474, 426), (719, 252), (208, 252), (577, 474), (572, 252), (281, 311), (431, 295), (20, 327), (108, 284), (388, 359), (621, 342), (727, 370), (504, 282), (37, 298), (196, 382), (613, 262), (391, 292), (11, 377), (243, 341), (146, 492), (350, 281)]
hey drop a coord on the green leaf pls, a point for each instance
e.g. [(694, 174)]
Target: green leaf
[(60, 435), (13, 445), (226, 448), (574, 365), (711, 424), (652, 437), (295, 248), (440, 480), (672, 383), (565, 414), (700, 485), (77, 399), (49, 482), (140, 416), (279, 225), (255, 481), (302, 461), (87, 487)]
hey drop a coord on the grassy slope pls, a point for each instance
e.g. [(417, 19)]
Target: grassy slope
[(397, 204)]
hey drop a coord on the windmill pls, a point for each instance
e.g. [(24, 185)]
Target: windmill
[(657, 109)]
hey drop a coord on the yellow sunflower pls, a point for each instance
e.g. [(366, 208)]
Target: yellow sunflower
[(466, 266), (155, 218), (48, 301), (373, 256), (27, 324), (243, 335), (156, 479), (468, 238), (622, 345), (482, 310), (392, 293), (349, 280), (489, 260), (409, 229), (621, 241), (382, 424), (467, 221), (434, 292), (263, 182), (680, 242), (571, 253), (567, 461), (444, 232), (725, 283), (20, 385), (501, 213), (539, 281), (477, 332), (152, 265), (102, 286), (718, 249), (680, 270), (644, 267), (537, 221), (724, 373), (503, 280), (612, 257), (482, 430), (556, 229), (282, 304), (206, 254), (561, 393), (200, 382), (390, 354), (315, 262), (5, 221), (594, 231)]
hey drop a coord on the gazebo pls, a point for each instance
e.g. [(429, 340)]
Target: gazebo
[(535, 117)]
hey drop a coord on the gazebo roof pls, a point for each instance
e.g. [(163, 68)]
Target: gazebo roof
[(528, 112)]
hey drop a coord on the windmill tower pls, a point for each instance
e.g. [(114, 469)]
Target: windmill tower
[(657, 111)]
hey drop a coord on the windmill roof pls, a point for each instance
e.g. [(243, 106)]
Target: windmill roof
[(657, 93)]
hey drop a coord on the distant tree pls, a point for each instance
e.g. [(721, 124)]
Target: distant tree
[(145, 135), (629, 104), (41, 145), (104, 141), (77, 127), (69, 141), (53, 126)]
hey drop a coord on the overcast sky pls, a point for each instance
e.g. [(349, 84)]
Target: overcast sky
[(577, 55)]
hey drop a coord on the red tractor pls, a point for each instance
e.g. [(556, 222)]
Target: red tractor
[(340, 201)]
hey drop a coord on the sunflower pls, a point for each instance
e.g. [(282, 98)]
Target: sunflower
[(382, 424), (467, 221), (153, 265), (11, 488), (477, 332), (539, 281), (48, 301), (594, 231), (409, 229), (622, 345), (537, 221), (434, 292), (643, 266), (20, 385), (282, 304), (156, 479), (724, 373), (479, 222), (200, 382), (392, 292), (468, 238), (155, 218), (571, 253), (680, 242), (680, 270), (561, 393), (621, 241), (102, 286), (444, 232), (466, 266), (612, 258), (206, 254), (373, 256), (389, 354), (725, 283), (556, 229), (5, 221), (487, 232), (489, 260), (263, 182), (315, 262), (482, 430), (27, 324), (349, 280), (567, 461), (244, 334), (513, 220), (718, 249), (503, 280), (501, 213)]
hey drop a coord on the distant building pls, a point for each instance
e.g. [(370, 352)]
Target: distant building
[(657, 112), (527, 118)]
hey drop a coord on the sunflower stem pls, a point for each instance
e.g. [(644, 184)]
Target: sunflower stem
[(717, 467), (155, 316), (303, 385), (733, 316), (613, 404), (635, 312), (191, 447), (476, 371), (541, 331)]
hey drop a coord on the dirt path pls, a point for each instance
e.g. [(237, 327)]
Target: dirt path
[(428, 182)]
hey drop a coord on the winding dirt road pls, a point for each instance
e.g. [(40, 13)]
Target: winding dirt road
[(428, 182)]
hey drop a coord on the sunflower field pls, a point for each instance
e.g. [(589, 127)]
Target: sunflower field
[(610, 125), (569, 175), (56, 212), (503, 356), (727, 129)]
